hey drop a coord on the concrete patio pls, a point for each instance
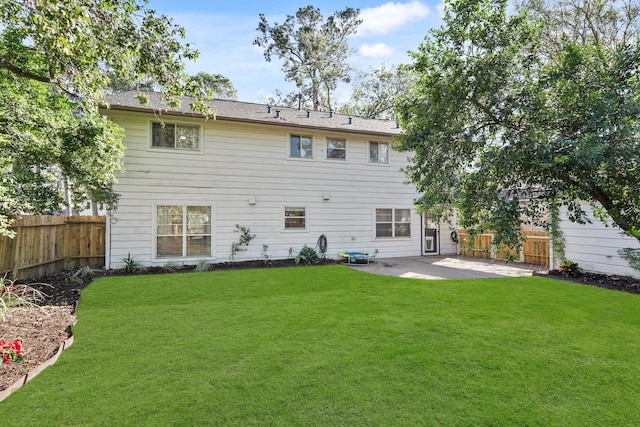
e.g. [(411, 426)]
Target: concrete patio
[(447, 267)]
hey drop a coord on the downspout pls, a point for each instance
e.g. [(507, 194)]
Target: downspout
[(107, 250)]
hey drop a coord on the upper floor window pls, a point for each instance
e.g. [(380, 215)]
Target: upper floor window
[(378, 152), (177, 136), (336, 149), (301, 146)]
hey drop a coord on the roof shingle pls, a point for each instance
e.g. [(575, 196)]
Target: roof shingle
[(257, 113)]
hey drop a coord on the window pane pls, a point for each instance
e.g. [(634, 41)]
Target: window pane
[(295, 146), (169, 220), (384, 230), (373, 152), (384, 215), (403, 215), (199, 245), (336, 149), (306, 147), (299, 212), (198, 219), (163, 135), (403, 230), (294, 223), (383, 153), (169, 246), (187, 137)]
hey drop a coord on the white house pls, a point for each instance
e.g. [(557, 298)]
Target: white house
[(289, 175), (594, 246)]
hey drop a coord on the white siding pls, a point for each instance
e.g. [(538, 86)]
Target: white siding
[(240, 161), (595, 246)]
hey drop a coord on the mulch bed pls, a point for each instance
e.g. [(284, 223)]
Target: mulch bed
[(618, 283)]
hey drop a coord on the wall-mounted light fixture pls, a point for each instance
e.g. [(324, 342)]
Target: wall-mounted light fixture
[(252, 200), (326, 196)]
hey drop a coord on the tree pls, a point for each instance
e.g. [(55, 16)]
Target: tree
[(49, 149), (57, 62), (601, 22), (502, 135), (314, 50), (290, 100), (375, 93), (214, 86)]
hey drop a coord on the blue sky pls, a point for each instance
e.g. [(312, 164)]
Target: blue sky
[(223, 32)]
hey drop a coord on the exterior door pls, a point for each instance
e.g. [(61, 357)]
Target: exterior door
[(431, 242)]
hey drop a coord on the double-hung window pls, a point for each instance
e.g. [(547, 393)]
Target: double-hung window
[(176, 136), (336, 149), (301, 146), (393, 223), (183, 231), (379, 152), (295, 218)]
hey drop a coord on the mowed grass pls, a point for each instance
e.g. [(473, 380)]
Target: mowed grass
[(331, 346)]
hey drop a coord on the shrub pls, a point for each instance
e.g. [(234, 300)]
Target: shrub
[(171, 266), (131, 265), (632, 256), (308, 255), (570, 268), (14, 295), (243, 241), (203, 265), (83, 272)]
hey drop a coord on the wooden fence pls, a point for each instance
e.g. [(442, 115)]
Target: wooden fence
[(535, 249), (43, 245)]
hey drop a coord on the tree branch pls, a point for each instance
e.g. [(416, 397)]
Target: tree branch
[(20, 72), (4, 63)]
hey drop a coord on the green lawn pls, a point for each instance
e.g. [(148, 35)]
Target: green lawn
[(333, 346)]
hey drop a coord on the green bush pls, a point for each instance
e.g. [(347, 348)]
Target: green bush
[(570, 268), (307, 255), (131, 265)]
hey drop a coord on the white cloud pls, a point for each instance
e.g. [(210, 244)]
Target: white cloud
[(383, 19), (376, 50)]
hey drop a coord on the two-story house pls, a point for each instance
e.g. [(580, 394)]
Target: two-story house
[(289, 175)]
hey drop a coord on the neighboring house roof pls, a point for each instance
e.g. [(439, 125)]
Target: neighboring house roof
[(257, 113)]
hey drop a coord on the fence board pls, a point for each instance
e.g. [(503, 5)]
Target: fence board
[(46, 244), (535, 249)]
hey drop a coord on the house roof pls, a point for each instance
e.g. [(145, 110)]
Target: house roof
[(257, 113)]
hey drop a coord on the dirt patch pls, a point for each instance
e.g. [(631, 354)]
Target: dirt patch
[(42, 330)]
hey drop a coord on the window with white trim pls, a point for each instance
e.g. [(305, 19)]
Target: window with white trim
[(379, 152), (176, 136), (295, 218), (392, 222), (183, 231), (301, 146), (336, 149)]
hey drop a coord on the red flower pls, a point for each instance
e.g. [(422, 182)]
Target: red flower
[(6, 358), (17, 346)]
